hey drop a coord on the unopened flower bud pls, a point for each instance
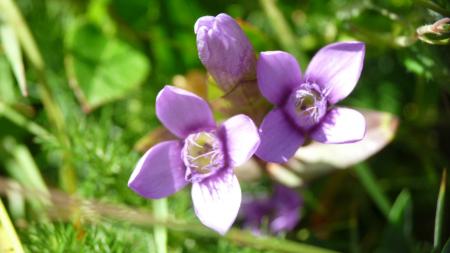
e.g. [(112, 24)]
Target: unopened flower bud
[(224, 50)]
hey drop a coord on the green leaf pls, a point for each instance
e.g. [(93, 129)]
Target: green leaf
[(14, 54), (8, 92), (397, 234), (102, 69), (400, 207)]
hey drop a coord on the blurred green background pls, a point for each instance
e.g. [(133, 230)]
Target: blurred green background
[(92, 70)]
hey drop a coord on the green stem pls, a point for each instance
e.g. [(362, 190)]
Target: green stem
[(281, 28), (160, 209), (376, 193)]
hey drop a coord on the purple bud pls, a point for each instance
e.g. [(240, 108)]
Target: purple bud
[(224, 50)]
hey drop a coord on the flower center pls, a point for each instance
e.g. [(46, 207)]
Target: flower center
[(202, 155), (307, 105)]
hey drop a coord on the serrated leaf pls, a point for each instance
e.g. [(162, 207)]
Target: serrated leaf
[(102, 68)]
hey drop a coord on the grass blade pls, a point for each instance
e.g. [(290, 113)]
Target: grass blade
[(368, 181), (14, 55), (9, 241), (440, 210), (12, 16)]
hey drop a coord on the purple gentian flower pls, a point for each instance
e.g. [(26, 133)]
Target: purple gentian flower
[(305, 104), (281, 210), (205, 156), (224, 50)]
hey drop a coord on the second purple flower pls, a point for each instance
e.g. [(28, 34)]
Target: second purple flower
[(305, 104)]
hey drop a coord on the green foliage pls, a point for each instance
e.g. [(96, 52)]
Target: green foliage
[(93, 69), (104, 68)]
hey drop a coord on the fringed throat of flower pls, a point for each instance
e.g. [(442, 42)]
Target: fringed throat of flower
[(307, 105), (202, 155)]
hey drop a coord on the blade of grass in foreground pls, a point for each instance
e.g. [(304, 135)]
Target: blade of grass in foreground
[(14, 55), (65, 206), (9, 241), (440, 210)]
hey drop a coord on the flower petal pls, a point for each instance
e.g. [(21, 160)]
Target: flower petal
[(160, 172), (278, 74), (341, 125), (242, 139), (279, 138), (336, 68), (183, 112), (217, 201)]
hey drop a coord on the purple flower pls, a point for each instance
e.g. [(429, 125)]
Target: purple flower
[(281, 211), (204, 156), (224, 50), (305, 104)]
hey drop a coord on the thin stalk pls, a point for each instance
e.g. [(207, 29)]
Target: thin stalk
[(161, 211)]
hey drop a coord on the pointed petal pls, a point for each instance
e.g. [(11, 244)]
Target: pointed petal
[(336, 68), (241, 137), (160, 172), (341, 125), (217, 201), (278, 74), (279, 138), (183, 112)]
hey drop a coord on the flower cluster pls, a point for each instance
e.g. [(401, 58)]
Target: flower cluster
[(206, 153)]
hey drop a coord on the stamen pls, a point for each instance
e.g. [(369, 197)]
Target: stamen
[(202, 155), (309, 105)]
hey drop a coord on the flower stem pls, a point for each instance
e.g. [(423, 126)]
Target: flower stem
[(160, 209)]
